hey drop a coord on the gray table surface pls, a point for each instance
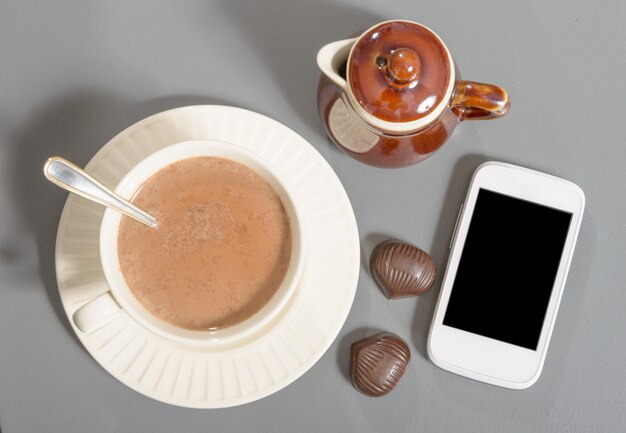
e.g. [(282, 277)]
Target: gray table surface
[(74, 74)]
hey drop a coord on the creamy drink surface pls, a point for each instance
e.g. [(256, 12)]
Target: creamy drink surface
[(221, 250)]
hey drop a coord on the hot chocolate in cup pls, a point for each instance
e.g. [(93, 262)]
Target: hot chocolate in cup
[(222, 263)]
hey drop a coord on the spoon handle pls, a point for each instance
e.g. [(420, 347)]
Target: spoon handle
[(68, 176)]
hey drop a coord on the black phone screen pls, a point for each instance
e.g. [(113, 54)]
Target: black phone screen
[(507, 269)]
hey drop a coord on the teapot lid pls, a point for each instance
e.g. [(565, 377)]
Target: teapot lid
[(400, 76)]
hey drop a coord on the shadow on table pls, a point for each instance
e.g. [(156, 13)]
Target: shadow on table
[(531, 405), (74, 126), (457, 187), (287, 35)]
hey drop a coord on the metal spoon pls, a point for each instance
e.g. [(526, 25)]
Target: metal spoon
[(68, 176)]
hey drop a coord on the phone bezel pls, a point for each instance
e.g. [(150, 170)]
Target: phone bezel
[(483, 358)]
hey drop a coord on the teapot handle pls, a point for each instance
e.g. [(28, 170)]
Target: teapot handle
[(479, 101)]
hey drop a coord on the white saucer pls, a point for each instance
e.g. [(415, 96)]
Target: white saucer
[(221, 376)]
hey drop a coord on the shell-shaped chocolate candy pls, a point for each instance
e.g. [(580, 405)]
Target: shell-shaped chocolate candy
[(402, 270), (378, 363)]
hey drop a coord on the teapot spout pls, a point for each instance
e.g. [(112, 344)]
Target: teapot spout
[(330, 58)]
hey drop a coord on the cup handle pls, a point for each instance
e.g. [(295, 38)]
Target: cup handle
[(479, 101), (96, 313)]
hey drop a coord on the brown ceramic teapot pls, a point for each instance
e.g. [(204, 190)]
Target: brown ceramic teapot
[(393, 96)]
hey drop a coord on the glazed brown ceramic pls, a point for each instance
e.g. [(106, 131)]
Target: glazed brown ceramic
[(393, 96), (398, 71)]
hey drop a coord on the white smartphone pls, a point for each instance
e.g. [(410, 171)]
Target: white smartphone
[(510, 253)]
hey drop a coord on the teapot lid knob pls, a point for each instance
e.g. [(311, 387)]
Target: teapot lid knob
[(403, 66)]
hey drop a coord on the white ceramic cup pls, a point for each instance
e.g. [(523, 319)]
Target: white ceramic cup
[(101, 310)]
